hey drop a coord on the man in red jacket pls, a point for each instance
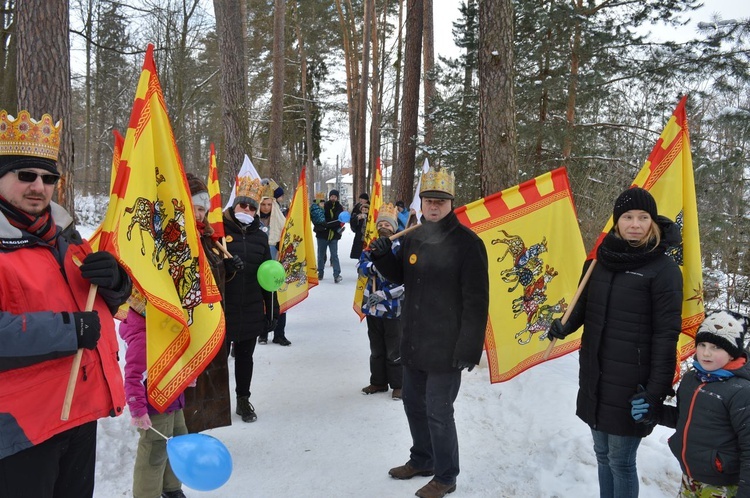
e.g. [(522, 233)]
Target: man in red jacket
[(46, 270)]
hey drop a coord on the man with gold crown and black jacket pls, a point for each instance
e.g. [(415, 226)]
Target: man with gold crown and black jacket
[(443, 266), (46, 271)]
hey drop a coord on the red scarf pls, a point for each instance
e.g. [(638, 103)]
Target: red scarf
[(42, 226)]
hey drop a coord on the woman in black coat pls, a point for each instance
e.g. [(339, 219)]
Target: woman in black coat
[(631, 316), (248, 308)]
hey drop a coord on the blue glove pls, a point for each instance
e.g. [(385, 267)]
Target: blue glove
[(639, 408)]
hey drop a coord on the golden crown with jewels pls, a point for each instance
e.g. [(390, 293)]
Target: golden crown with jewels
[(438, 183), (320, 196), (269, 187), (388, 212), (25, 136), (249, 187)]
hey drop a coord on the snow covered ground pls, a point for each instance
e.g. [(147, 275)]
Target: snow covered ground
[(318, 436)]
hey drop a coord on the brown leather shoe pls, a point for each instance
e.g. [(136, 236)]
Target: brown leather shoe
[(435, 489), (396, 394), (372, 389), (406, 471)]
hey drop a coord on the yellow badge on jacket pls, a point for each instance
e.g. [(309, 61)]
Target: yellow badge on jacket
[(229, 239), (412, 259)]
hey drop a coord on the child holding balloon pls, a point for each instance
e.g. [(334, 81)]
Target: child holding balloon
[(152, 474)]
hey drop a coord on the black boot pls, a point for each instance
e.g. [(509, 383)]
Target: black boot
[(245, 409)]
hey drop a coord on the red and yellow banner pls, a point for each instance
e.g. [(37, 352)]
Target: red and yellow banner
[(668, 175), (535, 252), (296, 251), (150, 227), (116, 153), (371, 233), (215, 214)]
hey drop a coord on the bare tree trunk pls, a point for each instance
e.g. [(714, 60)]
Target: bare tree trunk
[(277, 90), (497, 129), (232, 83), (429, 73), (544, 74), (410, 109), (397, 94), (352, 73), (471, 11), (359, 166), (8, 58), (375, 123), (89, 173), (309, 163), (44, 77), (570, 114)]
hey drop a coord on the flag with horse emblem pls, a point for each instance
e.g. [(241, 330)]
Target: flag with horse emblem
[(296, 251), (535, 251), (150, 226), (668, 176), (371, 233)]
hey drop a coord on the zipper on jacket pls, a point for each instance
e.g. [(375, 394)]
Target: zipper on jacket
[(685, 430), (85, 377)]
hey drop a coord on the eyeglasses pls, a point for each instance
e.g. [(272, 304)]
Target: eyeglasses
[(30, 177), (245, 205)]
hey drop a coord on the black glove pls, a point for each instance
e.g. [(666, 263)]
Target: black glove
[(645, 407), (461, 364), (102, 269), (234, 264), (557, 330), (271, 324), (88, 328), (380, 247)]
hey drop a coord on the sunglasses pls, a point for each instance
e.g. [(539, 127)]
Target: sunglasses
[(245, 205), (30, 177)]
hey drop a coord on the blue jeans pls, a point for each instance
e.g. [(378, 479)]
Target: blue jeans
[(428, 402), (333, 246), (615, 456)]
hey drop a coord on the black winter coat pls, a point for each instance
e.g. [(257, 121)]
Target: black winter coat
[(332, 226), (631, 322), (712, 441), (443, 266), (246, 304)]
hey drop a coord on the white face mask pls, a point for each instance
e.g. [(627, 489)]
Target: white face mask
[(244, 218)]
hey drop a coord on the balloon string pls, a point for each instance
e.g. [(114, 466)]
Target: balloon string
[(159, 433)]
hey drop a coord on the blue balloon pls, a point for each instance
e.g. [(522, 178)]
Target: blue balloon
[(200, 461), (345, 216)]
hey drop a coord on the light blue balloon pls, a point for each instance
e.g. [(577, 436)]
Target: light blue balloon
[(200, 461), (345, 216)]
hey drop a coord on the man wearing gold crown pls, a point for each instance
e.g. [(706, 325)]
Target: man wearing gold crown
[(249, 309), (43, 292), (443, 266)]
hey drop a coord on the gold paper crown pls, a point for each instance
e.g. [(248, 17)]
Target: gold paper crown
[(320, 196), (269, 186), (25, 136), (249, 187), (388, 212), (441, 183)]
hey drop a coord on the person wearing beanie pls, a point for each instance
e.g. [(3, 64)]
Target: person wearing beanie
[(249, 309), (47, 272), (630, 310), (208, 405), (328, 236), (443, 266), (711, 420), (381, 305), (358, 223)]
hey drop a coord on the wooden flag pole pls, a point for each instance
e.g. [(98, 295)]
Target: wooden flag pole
[(404, 232), (572, 304), (76, 363), (223, 248)]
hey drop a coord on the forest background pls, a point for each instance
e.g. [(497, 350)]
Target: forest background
[(536, 84)]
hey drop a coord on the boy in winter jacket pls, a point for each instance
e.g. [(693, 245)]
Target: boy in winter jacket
[(712, 419)]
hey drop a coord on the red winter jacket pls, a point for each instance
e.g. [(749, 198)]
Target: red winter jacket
[(38, 341)]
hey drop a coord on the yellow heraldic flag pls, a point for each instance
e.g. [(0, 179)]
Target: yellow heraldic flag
[(535, 251), (296, 250), (116, 153), (668, 175), (150, 227), (215, 215), (371, 233)]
